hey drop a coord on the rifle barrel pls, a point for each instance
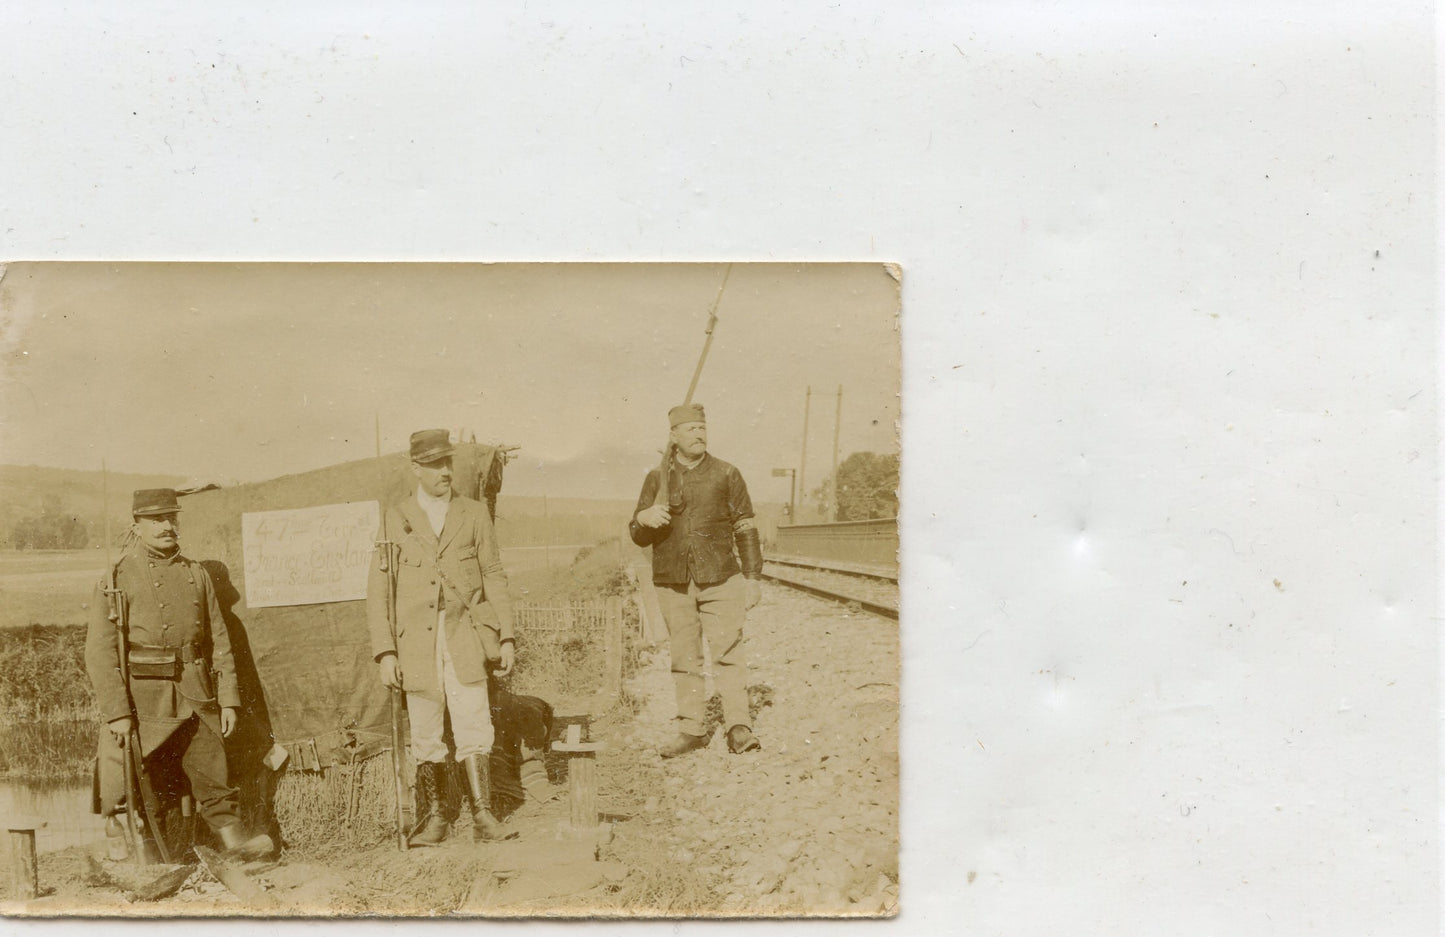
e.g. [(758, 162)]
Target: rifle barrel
[(663, 495), (137, 848), (388, 566)]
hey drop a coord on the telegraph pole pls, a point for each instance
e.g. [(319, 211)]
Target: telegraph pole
[(837, 424), (792, 474), (803, 462)]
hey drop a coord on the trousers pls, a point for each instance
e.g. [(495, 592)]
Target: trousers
[(202, 758), (467, 703), (715, 611)]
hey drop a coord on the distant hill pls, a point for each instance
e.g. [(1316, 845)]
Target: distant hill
[(521, 521), (30, 492), (73, 498), (524, 521)]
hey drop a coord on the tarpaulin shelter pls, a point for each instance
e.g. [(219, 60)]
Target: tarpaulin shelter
[(308, 681)]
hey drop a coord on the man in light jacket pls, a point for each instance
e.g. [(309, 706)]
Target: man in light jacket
[(453, 626)]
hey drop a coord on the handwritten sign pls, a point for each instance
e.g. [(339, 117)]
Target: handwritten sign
[(309, 555)]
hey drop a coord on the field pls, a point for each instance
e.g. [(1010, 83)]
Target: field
[(47, 587), (53, 587)]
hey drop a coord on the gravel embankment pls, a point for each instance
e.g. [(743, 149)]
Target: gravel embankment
[(810, 823)]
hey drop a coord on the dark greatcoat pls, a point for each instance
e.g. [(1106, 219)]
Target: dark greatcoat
[(171, 602)]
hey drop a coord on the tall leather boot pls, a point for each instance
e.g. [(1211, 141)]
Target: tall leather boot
[(431, 825), (485, 825), (234, 838)]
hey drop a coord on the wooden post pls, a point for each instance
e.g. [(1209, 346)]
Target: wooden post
[(837, 425), (22, 856), (803, 460), (581, 779), (582, 791), (654, 629)]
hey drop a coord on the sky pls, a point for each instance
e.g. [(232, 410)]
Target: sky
[(240, 372)]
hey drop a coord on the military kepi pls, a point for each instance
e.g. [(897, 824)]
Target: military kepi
[(690, 413), (154, 502), (429, 445)]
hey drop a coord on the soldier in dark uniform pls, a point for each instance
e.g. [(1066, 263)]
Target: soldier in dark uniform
[(183, 686), (704, 588)]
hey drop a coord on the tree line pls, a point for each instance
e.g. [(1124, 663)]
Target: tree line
[(865, 488), (54, 528)]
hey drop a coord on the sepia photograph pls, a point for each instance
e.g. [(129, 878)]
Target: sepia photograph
[(494, 590)]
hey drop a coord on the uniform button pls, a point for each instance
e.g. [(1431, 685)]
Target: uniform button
[(162, 605), (158, 582)]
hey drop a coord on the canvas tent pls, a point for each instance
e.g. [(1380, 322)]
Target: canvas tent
[(308, 681)]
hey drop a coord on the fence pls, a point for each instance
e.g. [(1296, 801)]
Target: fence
[(570, 647)]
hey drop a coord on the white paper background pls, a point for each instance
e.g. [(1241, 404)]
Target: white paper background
[(1169, 420)]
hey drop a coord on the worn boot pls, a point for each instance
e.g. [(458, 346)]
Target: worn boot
[(431, 825), (485, 825), (741, 739), (683, 744), (237, 844)]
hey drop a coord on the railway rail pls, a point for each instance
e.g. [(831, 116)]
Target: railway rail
[(873, 589), (865, 570)]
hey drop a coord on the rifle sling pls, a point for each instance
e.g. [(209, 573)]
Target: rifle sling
[(467, 610)]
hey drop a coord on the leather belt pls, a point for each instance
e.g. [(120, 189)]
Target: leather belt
[(185, 653)]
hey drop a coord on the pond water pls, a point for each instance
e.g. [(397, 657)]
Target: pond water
[(65, 808)]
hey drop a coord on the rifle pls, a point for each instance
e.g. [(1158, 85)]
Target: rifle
[(132, 757), (664, 467), (387, 564), (151, 806)]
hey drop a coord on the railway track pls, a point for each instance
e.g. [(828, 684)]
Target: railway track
[(871, 588)]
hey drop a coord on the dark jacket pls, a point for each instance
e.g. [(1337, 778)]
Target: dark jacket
[(707, 500), (172, 605)]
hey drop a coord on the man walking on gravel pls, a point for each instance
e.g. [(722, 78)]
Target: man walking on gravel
[(168, 637), (704, 587), (452, 625)]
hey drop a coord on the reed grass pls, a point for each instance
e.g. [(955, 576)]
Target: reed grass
[(48, 721), (42, 674)]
